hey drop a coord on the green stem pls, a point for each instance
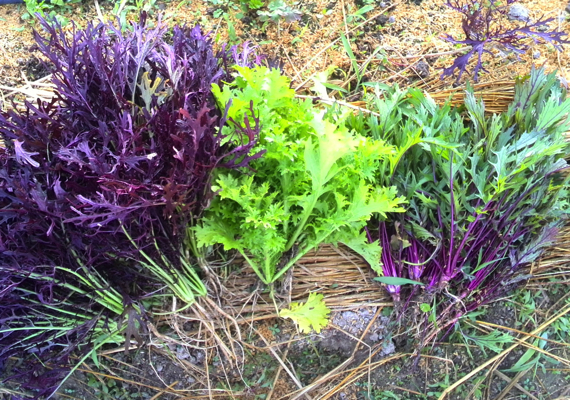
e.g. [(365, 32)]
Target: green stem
[(116, 307), (254, 267), (285, 185), (188, 305), (108, 298), (304, 220), (268, 273)]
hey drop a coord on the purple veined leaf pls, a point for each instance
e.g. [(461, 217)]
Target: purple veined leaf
[(509, 278), (461, 63), (556, 38), (471, 239), (236, 158), (420, 258), (23, 156), (246, 55), (391, 267), (292, 16)]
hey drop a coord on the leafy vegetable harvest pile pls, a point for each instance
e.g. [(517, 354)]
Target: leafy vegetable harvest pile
[(315, 183), (99, 186), (486, 194), (154, 149)]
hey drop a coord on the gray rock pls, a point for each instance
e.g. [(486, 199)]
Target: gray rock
[(382, 20), (518, 12), (182, 353), (536, 54), (422, 69), (389, 348)]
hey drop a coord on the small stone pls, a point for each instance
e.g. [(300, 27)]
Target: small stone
[(518, 12), (536, 54), (159, 367), (389, 348), (182, 353), (422, 69), (350, 316), (383, 5), (382, 20), (392, 19)]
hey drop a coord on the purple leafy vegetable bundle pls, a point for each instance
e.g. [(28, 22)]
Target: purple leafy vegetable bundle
[(127, 144)]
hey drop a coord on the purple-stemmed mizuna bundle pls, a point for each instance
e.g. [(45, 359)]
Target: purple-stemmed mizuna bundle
[(486, 193)]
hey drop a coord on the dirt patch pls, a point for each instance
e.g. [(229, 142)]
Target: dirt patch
[(15, 42), (409, 35)]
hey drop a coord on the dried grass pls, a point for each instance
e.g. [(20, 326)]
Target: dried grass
[(345, 280), (496, 95), (341, 276)]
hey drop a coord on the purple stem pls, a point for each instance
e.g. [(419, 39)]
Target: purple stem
[(388, 267), (450, 265), (452, 270)]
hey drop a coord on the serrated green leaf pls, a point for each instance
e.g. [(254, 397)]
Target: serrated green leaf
[(371, 252), (425, 307), (333, 144), (213, 231), (311, 315), (492, 341)]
